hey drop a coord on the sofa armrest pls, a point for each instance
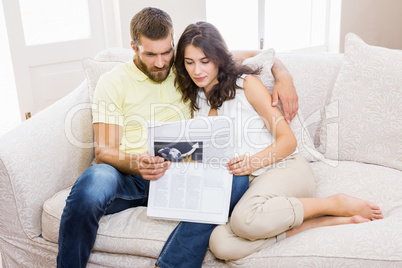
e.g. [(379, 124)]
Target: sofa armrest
[(43, 155)]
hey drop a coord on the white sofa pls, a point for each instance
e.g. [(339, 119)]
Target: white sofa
[(351, 133)]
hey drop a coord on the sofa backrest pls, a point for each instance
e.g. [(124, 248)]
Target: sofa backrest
[(314, 76)]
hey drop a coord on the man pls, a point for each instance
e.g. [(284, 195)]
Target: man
[(125, 98)]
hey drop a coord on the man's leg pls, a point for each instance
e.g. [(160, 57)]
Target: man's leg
[(188, 243), (93, 195)]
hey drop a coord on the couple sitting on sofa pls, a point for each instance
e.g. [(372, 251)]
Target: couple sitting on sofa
[(277, 203)]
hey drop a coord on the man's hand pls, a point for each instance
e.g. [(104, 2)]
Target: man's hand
[(152, 167), (284, 91)]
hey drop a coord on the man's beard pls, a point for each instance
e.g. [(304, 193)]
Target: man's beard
[(150, 72)]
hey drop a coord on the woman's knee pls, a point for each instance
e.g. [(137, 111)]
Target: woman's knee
[(220, 245), (241, 224), (263, 219)]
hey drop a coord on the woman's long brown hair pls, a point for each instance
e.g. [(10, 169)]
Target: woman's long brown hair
[(205, 36)]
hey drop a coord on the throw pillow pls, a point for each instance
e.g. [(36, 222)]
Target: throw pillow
[(104, 62), (366, 107), (93, 70), (305, 144), (115, 54)]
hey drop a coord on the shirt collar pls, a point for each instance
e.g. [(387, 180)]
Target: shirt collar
[(201, 94)]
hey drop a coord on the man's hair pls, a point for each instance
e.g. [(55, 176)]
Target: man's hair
[(152, 23)]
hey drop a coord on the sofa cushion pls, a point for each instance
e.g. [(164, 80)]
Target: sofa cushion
[(372, 244), (103, 62), (116, 54), (366, 107), (93, 70), (305, 145), (314, 77), (128, 232)]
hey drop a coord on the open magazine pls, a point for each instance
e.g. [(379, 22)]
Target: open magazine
[(197, 186)]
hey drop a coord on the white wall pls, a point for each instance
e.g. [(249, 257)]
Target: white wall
[(183, 12), (377, 22)]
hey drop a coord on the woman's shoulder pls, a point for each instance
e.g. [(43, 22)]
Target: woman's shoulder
[(254, 90), (251, 83), (250, 78)]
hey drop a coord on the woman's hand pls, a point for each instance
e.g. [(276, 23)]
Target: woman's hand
[(242, 165)]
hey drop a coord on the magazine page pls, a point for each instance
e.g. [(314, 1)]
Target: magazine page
[(197, 186)]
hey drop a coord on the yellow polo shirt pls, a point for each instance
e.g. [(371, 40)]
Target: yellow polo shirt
[(125, 96)]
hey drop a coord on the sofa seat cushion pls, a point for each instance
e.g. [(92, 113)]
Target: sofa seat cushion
[(132, 232), (371, 244), (126, 232)]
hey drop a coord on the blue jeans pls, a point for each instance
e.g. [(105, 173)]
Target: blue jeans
[(100, 190), (188, 243)]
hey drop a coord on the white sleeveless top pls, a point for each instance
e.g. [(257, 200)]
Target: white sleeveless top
[(251, 134)]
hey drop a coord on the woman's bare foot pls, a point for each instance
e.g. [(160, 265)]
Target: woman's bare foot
[(348, 206), (340, 205), (325, 221)]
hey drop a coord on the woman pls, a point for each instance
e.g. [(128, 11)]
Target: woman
[(280, 200)]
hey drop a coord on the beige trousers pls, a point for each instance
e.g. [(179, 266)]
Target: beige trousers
[(266, 211)]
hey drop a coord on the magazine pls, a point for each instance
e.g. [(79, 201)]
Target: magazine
[(197, 186)]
